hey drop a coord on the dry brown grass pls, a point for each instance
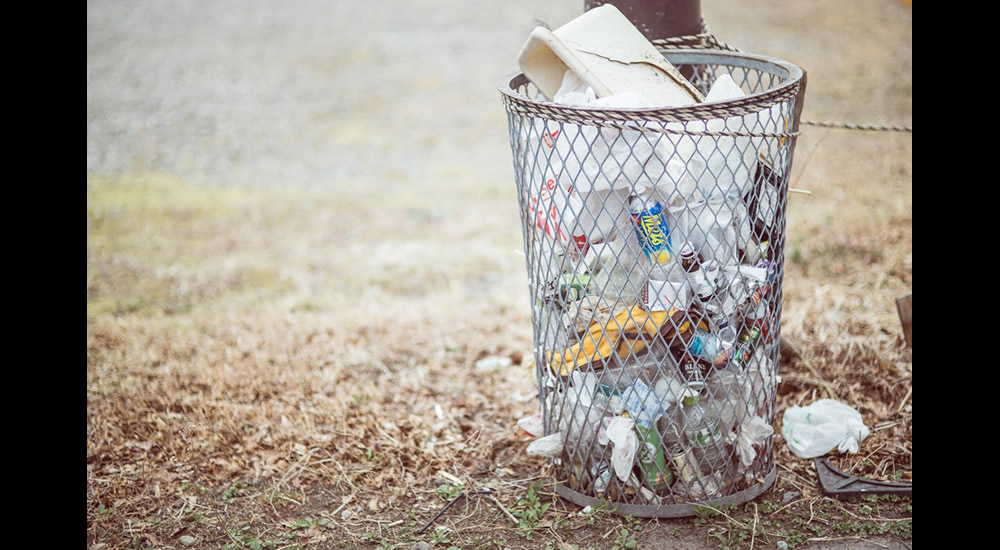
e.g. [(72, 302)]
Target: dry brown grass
[(257, 357)]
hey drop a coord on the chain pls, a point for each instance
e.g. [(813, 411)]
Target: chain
[(706, 40), (869, 127)]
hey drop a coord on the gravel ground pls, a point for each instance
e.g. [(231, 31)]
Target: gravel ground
[(312, 92)]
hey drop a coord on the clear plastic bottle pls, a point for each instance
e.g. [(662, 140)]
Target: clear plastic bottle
[(730, 393), (692, 263), (702, 430), (616, 277)]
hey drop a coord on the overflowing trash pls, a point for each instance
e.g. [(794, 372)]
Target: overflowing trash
[(654, 257)]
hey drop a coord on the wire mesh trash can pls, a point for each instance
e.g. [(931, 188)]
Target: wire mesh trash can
[(654, 246)]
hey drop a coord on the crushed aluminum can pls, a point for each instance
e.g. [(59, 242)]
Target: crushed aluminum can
[(684, 460)]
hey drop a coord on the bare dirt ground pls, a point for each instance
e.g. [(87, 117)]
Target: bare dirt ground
[(302, 234)]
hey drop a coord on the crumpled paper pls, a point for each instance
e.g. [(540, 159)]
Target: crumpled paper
[(819, 428)]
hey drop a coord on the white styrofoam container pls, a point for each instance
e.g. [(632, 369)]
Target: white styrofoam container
[(609, 54)]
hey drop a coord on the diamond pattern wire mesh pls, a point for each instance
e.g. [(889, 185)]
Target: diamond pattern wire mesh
[(654, 247)]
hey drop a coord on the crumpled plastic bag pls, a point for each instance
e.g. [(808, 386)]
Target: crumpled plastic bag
[(606, 157), (580, 169), (533, 424), (819, 428), (549, 446), (578, 420), (706, 195), (753, 431), (618, 431)]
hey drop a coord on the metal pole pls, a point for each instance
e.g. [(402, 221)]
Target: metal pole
[(658, 18)]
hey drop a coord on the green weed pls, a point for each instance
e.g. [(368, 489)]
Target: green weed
[(306, 523), (241, 539), (237, 489), (596, 512), (624, 539), (529, 511), (447, 491)]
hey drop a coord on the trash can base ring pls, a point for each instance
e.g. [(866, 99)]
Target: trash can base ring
[(670, 510)]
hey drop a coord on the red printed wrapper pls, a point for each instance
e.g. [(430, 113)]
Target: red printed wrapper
[(532, 425)]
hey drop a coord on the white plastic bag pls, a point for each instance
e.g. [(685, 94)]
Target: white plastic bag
[(618, 431), (753, 431), (549, 446), (533, 425), (819, 428), (600, 159)]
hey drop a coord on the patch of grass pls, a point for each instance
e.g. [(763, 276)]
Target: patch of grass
[(703, 513), (157, 245), (306, 523), (448, 491), (766, 522), (441, 535), (105, 511), (529, 511), (371, 456), (603, 509), (624, 538), (899, 528), (240, 538), (234, 491), (766, 507)]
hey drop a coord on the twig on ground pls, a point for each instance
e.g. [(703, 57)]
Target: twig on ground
[(342, 504), (905, 399), (796, 475), (503, 509)]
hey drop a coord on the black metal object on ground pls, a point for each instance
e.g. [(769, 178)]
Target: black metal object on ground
[(841, 485), (486, 491)]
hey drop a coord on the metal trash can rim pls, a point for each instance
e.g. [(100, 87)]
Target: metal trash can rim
[(791, 87)]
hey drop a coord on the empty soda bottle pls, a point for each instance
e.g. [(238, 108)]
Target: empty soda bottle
[(693, 265), (743, 349), (730, 392)]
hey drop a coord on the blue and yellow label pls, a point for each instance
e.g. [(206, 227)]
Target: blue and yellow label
[(653, 233)]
